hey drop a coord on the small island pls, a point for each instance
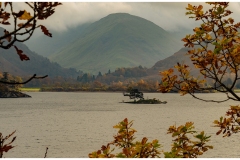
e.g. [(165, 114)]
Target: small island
[(10, 90), (135, 94)]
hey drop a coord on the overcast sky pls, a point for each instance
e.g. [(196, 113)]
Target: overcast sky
[(168, 15)]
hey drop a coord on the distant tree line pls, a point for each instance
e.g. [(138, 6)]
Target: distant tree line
[(143, 85), (120, 74), (119, 80)]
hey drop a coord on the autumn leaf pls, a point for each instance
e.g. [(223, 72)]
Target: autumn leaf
[(144, 140), (208, 37), (25, 16), (5, 23), (21, 55), (190, 7), (200, 7), (5, 148), (19, 14), (218, 132), (45, 31), (26, 26)]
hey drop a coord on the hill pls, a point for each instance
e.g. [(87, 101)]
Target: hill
[(118, 40), (46, 46), (10, 62)]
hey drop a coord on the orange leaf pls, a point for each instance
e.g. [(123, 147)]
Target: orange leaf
[(45, 31), (200, 7), (5, 148), (218, 132), (125, 121), (28, 25), (99, 152), (144, 140), (21, 55)]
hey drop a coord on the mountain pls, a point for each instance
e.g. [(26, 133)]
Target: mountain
[(10, 62), (118, 40), (46, 46), (169, 62)]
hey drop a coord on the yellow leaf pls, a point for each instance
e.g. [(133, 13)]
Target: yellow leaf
[(197, 29), (117, 126), (25, 16), (197, 66), (216, 122), (190, 7), (208, 37)]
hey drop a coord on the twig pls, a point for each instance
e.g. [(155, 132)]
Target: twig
[(33, 77), (46, 152)]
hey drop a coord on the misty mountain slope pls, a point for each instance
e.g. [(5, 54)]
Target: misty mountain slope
[(47, 46), (10, 62), (118, 40), (171, 61)]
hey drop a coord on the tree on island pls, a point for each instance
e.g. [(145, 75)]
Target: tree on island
[(133, 93), (216, 53)]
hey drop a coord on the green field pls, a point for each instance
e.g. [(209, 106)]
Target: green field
[(30, 89), (237, 90)]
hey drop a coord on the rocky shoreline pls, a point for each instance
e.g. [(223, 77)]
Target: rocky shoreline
[(13, 94), (147, 101)]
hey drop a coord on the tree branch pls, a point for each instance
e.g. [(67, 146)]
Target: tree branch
[(33, 77)]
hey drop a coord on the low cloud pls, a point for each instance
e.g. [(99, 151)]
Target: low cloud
[(168, 15)]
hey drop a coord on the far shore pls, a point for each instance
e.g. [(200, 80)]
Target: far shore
[(39, 90), (30, 89)]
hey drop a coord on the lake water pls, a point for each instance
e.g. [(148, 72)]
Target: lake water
[(72, 125)]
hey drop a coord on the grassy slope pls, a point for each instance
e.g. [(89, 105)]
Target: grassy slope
[(118, 40)]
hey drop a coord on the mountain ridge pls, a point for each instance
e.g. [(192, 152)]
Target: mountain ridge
[(117, 40)]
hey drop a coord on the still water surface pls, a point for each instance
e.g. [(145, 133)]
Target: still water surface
[(72, 125)]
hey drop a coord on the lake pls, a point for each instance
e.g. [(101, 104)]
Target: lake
[(72, 125)]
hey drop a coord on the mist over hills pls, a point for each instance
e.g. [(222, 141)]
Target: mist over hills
[(10, 62), (117, 40), (47, 46), (171, 61)]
